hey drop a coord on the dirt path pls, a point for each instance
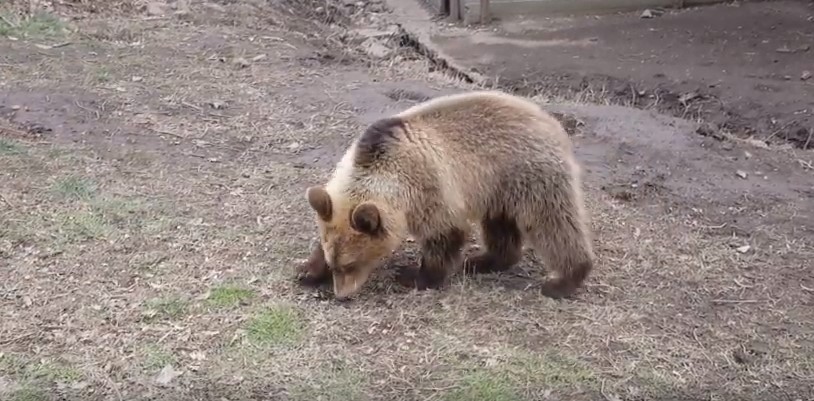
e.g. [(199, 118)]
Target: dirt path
[(151, 211), (746, 67)]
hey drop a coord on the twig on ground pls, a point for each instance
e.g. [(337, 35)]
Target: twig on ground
[(18, 338), (703, 348), (737, 301), (777, 131), (9, 23), (89, 110), (6, 201), (192, 106), (160, 132)]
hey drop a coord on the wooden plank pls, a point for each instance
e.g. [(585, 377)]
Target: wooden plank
[(485, 15), (455, 10)]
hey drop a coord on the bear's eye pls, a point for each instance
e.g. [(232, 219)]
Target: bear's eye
[(347, 267)]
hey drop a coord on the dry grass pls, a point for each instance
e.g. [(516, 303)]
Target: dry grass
[(158, 223)]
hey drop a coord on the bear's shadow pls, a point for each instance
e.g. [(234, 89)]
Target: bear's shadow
[(524, 276), (527, 275)]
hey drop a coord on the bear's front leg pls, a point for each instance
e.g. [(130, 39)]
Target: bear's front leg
[(439, 253), (314, 272)]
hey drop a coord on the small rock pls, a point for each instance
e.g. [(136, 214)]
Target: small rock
[(741, 174), (647, 13), (710, 130), (166, 375), (15, 107), (747, 155), (293, 145), (241, 62), (259, 57), (685, 98), (805, 75), (741, 357), (375, 33), (136, 79), (800, 49), (214, 7), (743, 249), (156, 8), (375, 49), (80, 385), (217, 105)]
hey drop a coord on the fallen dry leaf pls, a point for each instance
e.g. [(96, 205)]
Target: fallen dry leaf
[(167, 375)]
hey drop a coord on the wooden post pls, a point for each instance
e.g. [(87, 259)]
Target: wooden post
[(485, 16), (455, 10)]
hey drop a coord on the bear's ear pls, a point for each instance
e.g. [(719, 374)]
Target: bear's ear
[(320, 201), (366, 218)]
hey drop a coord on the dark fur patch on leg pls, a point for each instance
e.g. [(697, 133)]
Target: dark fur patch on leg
[(438, 255), (567, 285), (504, 246), (314, 272)]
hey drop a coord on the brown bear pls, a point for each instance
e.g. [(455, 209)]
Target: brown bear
[(429, 172)]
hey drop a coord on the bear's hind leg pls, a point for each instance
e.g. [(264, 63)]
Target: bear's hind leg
[(566, 251), (504, 246)]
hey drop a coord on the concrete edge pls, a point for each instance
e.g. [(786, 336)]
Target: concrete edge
[(417, 25), (556, 8)]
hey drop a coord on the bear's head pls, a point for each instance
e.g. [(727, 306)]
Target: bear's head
[(356, 238)]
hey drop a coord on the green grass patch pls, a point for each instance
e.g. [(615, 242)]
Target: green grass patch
[(155, 358), (332, 385), (98, 218), (81, 225), (25, 370), (54, 372), (555, 370), (275, 325), (519, 376), (229, 295), (9, 147), (484, 385), (171, 307), (12, 365), (28, 393), (102, 75), (39, 25), (650, 381), (74, 188), (120, 211)]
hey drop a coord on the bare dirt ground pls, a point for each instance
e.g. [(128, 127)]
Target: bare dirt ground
[(744, 67), (153, 162)]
